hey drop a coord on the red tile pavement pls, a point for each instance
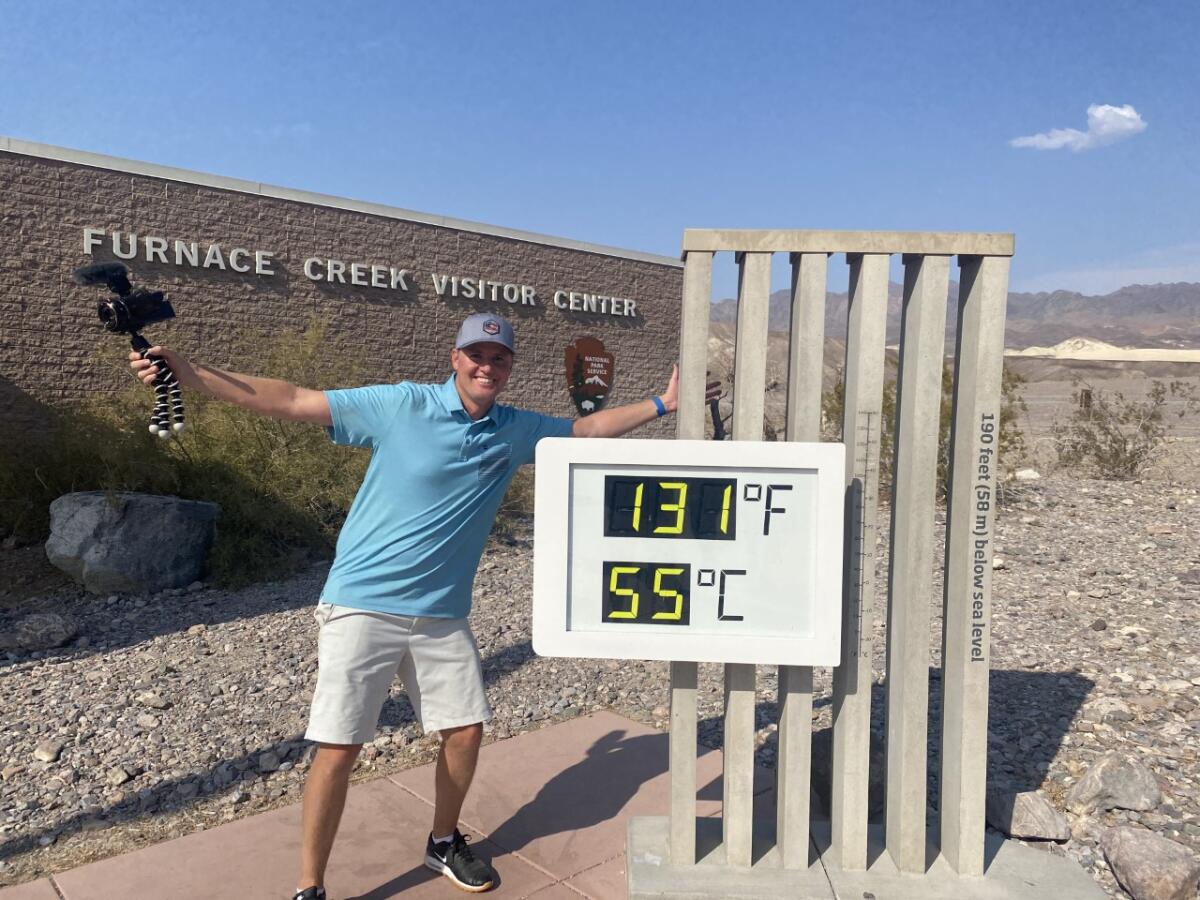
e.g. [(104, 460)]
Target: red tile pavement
[(379, 854), (562, 803), (548, 808), (33, 890)]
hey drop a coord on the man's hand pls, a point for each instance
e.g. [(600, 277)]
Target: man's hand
[(620, 420), (147, 371), (670, 397)]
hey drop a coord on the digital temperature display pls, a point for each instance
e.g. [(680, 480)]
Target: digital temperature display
[(688, 508), (689, 550)]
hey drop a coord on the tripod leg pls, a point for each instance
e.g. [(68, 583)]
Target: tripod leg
[(164, 383), (160, 419)]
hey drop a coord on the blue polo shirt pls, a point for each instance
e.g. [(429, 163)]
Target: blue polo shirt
[(418, 525)]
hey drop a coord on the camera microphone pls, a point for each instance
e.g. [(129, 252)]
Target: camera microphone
[(111, 274)]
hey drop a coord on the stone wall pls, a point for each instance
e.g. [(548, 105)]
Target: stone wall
[(50, 337)]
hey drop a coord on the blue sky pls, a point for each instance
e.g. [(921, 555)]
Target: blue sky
[(622, 123)]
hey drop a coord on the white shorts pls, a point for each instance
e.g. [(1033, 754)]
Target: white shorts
[(359, 652)]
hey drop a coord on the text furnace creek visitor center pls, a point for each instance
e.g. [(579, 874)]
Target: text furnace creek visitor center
[(239, 259)]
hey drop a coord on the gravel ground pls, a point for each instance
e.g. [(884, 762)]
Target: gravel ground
[(175, 712)]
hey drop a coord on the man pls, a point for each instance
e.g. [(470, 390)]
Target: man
[(399, 590)]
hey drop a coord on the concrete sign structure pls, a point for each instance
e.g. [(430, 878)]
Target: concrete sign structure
[(796, 854)]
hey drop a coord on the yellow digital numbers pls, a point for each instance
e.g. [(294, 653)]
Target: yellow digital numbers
[(703, 509), (617, 591), (668, 594), (664, 585), (677, 507)]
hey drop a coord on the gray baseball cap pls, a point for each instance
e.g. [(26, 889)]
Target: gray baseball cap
[(480, 327)]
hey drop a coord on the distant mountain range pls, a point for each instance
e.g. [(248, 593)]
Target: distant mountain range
[(1140, 315)]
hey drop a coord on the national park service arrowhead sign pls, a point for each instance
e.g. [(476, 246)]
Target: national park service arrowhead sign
[(589, 374)]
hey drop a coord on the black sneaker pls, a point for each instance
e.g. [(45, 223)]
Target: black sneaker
[(455, 860), (310, 893)]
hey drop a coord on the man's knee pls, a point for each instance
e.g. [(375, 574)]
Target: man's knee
[(336, 758), (464, 735)]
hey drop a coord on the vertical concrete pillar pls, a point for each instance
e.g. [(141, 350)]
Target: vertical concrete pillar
[(749, 400), (910, 579), (970, 523), (689, 425), (806, 352), (861, 423)]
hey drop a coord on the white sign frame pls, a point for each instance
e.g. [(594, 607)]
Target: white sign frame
[(552, 547)]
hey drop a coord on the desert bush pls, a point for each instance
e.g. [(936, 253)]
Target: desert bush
[(516, 509), (1116, 435), (1011, 443), (283, 487)]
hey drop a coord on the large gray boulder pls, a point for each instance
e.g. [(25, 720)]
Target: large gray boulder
[(1149, 866), (130, 542)]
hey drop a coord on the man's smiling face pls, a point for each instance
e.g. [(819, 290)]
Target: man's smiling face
[(480, 373)]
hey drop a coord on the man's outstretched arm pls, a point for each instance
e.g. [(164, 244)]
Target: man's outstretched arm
[(268, 396), (621, 420)]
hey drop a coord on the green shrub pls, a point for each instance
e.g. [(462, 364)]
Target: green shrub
[(283, 487), (1117, 435), (516, 509), (1011, 441)]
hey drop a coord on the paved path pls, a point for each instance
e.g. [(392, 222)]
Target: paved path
[(549, 809)]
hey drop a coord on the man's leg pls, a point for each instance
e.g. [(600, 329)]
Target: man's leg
[(455, 769), (324, 798)]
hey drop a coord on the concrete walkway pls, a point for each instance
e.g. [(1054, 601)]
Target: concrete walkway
[(549, 809)]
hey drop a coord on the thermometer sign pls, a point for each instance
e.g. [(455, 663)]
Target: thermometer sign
[(689, 550)]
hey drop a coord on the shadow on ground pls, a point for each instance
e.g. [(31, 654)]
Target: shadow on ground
[(1039, 706)]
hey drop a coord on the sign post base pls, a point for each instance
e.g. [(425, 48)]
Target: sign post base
[(1014, 871)]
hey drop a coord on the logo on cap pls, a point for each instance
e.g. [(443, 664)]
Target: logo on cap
[(491, 326)]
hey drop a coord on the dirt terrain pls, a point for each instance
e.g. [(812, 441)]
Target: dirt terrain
[(1095, 609)]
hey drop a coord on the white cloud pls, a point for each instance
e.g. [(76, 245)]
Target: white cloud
[(1106, 125)]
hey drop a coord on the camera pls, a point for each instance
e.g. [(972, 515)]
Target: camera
[(128, 313), (132, 313)]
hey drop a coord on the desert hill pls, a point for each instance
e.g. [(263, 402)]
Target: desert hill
[(1163, 316)]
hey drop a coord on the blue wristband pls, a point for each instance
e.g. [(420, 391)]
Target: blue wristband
[(658, 404)]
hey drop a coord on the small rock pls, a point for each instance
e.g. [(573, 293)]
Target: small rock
[(10, 772), (145, 720), (1027, 815), (1026, 475), (1108, 710), (117, 776), (48, 751), (152, 700), (268, 761), (195, 586), (197, 629), (997, 563), (39, 631), (1116, 782), (1148, 866)]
